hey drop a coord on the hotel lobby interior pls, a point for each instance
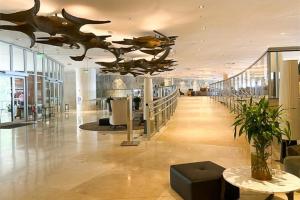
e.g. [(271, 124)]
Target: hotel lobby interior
[(149, 100)]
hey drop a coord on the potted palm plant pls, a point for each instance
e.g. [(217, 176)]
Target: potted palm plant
[(261, 124)]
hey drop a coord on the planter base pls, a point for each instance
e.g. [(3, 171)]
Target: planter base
[(260, 169)]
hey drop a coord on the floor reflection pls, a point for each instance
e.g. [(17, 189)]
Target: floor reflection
[(57, 160)]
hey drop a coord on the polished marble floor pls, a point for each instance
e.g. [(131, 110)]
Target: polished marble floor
[(55, 160)]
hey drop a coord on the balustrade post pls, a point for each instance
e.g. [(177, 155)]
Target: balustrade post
[(147, 118)]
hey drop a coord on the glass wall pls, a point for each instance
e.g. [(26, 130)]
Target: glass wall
[(5, 57), (18, 63), (262, 78), (24, 75), (5, 99)]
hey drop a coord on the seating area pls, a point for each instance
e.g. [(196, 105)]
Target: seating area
[(201, 92)]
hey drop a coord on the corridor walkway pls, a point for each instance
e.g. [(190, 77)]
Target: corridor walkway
[(57, 160)]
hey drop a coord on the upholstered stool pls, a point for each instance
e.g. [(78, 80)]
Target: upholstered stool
[(293, 150), (201, 181), (104, 122), (292, 165)]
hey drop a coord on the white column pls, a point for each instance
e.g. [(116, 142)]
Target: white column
[(289, 95), (69, 91), (148, 92), (129, 119), (86, 89)]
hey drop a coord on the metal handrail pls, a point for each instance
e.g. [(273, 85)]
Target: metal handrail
[(155, 106), (160, 99), (159, 112), (164, 108), (270, 49)]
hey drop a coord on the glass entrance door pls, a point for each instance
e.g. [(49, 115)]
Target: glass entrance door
[(5, 99), (19, 100)]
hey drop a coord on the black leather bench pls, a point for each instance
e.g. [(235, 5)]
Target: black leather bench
[(201, 181)]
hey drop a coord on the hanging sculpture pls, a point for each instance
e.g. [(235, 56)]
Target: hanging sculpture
[(141, 66), (150, 42), (65, 30)]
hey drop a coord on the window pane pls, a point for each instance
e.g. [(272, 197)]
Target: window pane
[(40, 90), (39, 64), (30, 64), (61, 72), (4, 57), (49, 68), (31, 94), (5, 99), (18, 59), (55, 70), (58, 71), (46, 66)]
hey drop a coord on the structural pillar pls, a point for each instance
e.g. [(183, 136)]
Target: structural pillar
[(289, 100), (148, 93), (86, 89)]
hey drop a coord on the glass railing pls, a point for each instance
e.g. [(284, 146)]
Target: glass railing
[(158, 92), (261, 79), (159, 112)]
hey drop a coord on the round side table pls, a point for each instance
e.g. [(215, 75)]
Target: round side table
[(282, 182)]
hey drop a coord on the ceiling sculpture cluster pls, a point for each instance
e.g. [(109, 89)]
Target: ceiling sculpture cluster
[(65, 30)]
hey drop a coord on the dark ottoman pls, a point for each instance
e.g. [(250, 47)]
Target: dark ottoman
[(201, 181), (104, 122), (293, 150)]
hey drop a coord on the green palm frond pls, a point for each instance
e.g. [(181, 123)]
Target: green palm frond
[(261, 121)]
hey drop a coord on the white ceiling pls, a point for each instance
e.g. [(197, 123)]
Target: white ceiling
[(215, 36)]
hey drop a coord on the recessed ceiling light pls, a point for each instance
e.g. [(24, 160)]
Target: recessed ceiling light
[(203, 28), (282, 33), (201, 6), (230, 63)]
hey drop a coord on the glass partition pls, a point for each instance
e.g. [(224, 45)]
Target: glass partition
[(29, 62), (39, 65), (23, 77), (18, 59), (4, 56), (31, 96), (5, 99), (261, 79)]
